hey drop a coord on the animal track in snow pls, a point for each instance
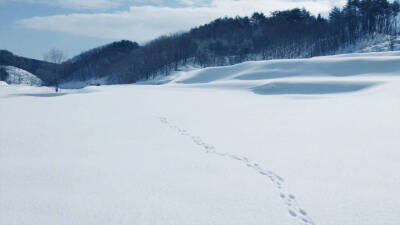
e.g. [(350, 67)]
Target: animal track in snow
[(289, 199)]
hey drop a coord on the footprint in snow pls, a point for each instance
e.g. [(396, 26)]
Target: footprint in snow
[(292, 213), (302, 212)]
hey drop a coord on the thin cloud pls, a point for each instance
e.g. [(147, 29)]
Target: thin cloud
[(143, 23), (74, 4)]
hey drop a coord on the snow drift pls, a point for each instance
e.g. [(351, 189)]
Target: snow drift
[(320, 75), (387, 63)]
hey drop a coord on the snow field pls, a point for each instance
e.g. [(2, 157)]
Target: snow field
[(209, 147)]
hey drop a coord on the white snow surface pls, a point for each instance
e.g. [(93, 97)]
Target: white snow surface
[(312, 141), (82, 84), (21, 77)]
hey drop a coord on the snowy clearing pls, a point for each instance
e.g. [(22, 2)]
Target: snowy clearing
[(310, 141)]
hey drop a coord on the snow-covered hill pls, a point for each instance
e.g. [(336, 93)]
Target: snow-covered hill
[(385, 44), (319, 75), (20, 76), (313, 141), (376, 43)]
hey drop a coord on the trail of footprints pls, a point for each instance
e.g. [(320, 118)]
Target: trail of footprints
[(293, 208)]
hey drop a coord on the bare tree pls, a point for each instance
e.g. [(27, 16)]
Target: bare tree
[(55, 56)]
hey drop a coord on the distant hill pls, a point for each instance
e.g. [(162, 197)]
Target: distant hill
[(39, 68), (14, 75), (99, 62), (285, 34)]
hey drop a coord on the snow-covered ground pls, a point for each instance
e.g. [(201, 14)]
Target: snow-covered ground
[(311, 141), (376, 43), (20, 76), (386, 44)]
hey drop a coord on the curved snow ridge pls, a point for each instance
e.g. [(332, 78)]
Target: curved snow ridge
[(289, 200), (21, 77), (311, 88), (339, 66)]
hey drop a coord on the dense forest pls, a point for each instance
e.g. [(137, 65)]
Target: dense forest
[(292, 33), (3, 74)]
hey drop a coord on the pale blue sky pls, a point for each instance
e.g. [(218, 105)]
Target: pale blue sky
[(32, 27)]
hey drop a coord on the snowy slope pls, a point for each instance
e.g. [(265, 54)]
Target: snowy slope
[(385, 44), (376, 43), (20, 76), (341, 66), (319, 75), (247, 144)]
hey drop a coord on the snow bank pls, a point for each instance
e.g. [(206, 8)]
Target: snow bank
[(319, 75), (335, 66), (314, 88)]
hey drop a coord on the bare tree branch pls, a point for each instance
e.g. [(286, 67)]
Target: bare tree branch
[(55, 55)]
